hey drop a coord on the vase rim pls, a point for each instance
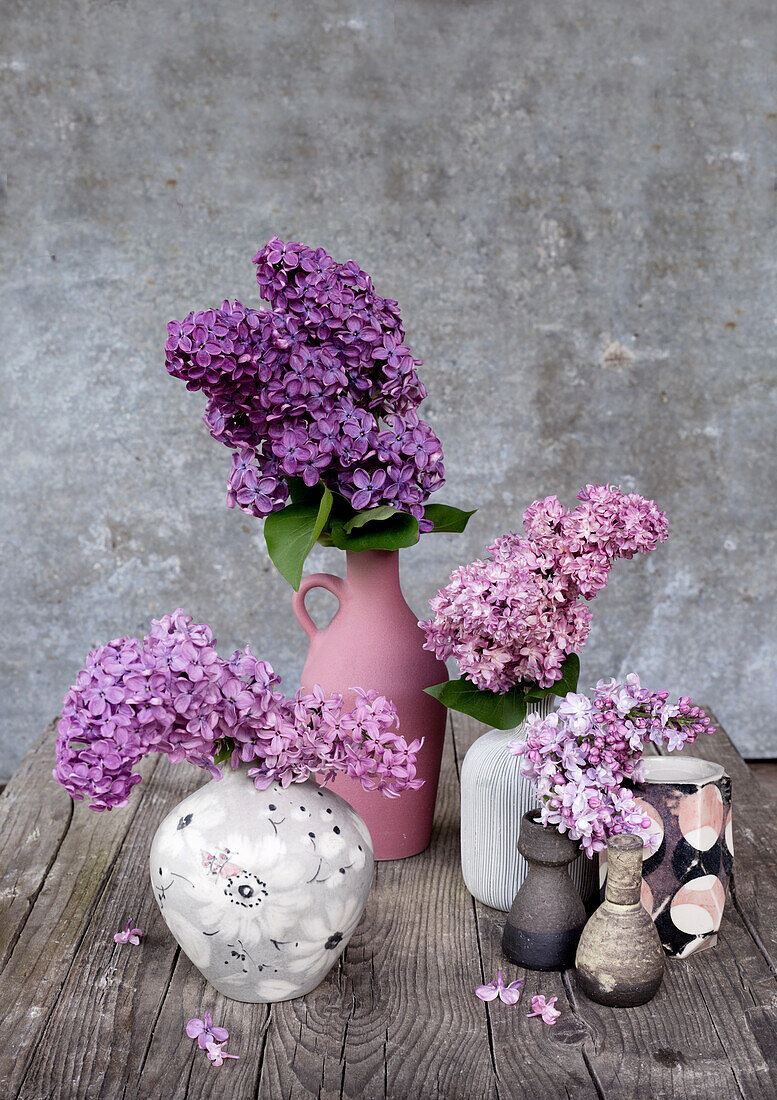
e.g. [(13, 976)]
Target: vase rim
[(671, 769)]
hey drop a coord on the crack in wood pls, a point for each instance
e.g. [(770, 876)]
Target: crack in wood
[(750, 927), (263, 1035), (162, 1000), (721, 1038)]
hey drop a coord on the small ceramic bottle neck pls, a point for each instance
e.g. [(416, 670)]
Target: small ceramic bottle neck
[(624, 870)]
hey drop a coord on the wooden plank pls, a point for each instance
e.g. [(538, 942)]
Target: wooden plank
[(173, 1066), (99, 1028), (35, 815), (546, 1061), (42, 956)]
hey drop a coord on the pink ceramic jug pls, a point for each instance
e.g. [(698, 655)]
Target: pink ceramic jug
[(374, 642)]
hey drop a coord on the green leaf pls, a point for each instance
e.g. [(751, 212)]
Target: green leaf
[(224, 752), (291, 534), (301, 493), (570, 673), (369, 515), (447, 518), (503, 712), (389, 534)]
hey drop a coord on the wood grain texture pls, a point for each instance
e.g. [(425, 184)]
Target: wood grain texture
[(43, 955), (396, 1018), (33, 824)]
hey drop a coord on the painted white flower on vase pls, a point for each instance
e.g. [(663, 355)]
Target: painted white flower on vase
[(262, 889)]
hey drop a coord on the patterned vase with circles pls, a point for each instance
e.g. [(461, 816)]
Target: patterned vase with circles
[(686, 869), (494, 798)]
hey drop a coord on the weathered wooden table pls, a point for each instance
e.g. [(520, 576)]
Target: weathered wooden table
[(82, 1016)]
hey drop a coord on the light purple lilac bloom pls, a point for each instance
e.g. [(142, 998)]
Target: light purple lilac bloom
[(582, 757), (205, 1031), (320, 386), (128, 935), (545, 1009), (172, 693), (509, 994), (517, 615), (217, 1054)]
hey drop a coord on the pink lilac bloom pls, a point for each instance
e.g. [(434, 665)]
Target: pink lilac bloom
[(317, 733), (584, 758), (545, 1009), (217, 1054), (518, 614), (129, 935), (172, 693), (320, 386), (509, 994), (205, 1032)]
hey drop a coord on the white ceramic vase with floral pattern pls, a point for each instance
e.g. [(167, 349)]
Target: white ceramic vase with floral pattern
[(262, 889)]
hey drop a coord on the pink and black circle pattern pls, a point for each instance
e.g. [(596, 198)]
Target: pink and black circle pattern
[(687, 865), (685, 877)]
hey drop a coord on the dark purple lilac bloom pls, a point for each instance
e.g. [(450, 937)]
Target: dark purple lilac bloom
[(316, 386), (368, 488)]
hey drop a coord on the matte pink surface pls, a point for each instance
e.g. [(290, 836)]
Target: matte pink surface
[(374, 642)]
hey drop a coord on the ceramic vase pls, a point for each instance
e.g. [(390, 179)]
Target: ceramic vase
[(262, 889), (619, 959), (547, 915), (374, 642), (494, 798), (686, 871)]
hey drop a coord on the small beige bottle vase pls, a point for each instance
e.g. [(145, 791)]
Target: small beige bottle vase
[(619, 959)]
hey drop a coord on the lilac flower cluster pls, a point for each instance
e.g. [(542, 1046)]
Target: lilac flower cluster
[(172, 693), (583, 757), (518, 615), (321, 386), (316, 733)]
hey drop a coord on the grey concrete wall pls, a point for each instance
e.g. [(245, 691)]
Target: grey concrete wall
[(574, 204)]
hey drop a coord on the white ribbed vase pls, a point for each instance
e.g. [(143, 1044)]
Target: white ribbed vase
[(494, 798)]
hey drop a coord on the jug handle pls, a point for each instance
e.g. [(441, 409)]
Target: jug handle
[(333, 584)]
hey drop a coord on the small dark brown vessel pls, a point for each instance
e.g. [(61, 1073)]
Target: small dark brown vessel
[(620, 960), (547, 915)]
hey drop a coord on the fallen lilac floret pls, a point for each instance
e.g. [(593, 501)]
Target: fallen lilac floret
[(129, 935), (217, 1054), (509, 994), (545, 1009), (205, 1032)]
